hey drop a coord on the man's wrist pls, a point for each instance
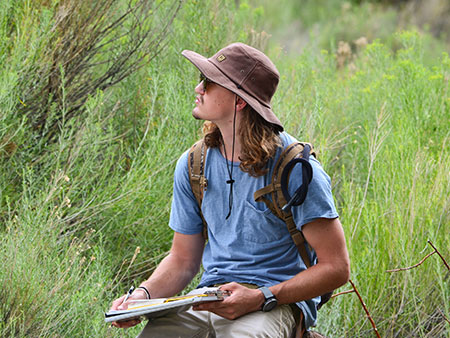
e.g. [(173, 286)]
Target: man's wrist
[(261, 299), (145, 290), (270, 301)]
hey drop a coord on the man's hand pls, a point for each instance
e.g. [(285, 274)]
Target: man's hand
[(241, 301), (119, 304)]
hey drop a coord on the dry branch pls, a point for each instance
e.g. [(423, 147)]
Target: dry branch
[(355, 290), (444, 316), (442, 257), (365, 309), (413, 266), (342, 293), (423, 260)]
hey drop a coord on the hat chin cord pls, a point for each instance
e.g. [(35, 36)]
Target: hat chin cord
[(230, 168)]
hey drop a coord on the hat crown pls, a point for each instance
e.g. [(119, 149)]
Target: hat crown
[(250, 69)]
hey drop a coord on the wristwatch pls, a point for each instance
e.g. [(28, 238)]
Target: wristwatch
[(271, 302)]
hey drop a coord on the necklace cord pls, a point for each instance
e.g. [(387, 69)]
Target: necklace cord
[(230, 170)]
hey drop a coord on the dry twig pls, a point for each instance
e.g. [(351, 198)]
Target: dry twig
[(413, 266), (423, 260), (435, 251), (442, 257), (355, 290), (342, 293), (365, 309), (444, 316)]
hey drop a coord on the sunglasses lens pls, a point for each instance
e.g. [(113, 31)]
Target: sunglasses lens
[(204, 80)]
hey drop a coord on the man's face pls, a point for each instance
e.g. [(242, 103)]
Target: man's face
[(213, 102)]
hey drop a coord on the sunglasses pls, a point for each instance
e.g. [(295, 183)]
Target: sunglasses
[(205, 81)]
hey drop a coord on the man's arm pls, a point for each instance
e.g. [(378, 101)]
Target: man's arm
[(176, 270), (326, 236), (332, 270), (172, 275)]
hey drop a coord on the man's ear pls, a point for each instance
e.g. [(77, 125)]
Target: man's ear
[(240, 104)]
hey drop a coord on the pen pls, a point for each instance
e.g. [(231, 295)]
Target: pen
[(128, 294)]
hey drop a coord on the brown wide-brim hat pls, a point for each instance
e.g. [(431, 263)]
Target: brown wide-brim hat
[(245, 71)]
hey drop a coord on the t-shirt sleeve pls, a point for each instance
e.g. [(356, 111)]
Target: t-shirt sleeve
[(319, 201), (185, 213)]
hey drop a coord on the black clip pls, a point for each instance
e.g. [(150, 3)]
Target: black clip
[(307, 174)]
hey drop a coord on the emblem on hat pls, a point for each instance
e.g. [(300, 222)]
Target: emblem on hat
[(221, 57)]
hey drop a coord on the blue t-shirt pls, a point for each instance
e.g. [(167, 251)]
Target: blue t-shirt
[(252, 245)]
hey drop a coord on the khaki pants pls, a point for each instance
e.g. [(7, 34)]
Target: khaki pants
[(201, 324)]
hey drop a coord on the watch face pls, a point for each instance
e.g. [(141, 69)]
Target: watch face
[(270, 304)]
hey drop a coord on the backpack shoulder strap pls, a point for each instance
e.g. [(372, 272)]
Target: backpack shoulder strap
[(280, 206), (278, 201), (197, 179)]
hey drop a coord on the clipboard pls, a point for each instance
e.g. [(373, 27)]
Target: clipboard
[(159, 307)]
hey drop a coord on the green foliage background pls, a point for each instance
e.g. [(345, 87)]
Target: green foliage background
[(84, 215)]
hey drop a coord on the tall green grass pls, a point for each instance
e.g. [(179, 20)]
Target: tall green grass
[(382, 131), (86, 215)]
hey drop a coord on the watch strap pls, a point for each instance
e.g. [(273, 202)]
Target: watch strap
[(267, 293)]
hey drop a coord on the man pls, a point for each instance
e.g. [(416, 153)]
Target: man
[(248, 247)]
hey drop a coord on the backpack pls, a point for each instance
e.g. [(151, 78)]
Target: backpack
[(280, 202)]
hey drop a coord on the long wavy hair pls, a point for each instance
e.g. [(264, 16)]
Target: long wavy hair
[(259, 141)]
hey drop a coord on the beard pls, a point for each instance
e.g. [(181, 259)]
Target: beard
[(196, 117), (194, 113)]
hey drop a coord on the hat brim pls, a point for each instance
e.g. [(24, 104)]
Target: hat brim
[(214, 74)]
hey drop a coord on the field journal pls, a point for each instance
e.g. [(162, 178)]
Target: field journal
[(159, 307)]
